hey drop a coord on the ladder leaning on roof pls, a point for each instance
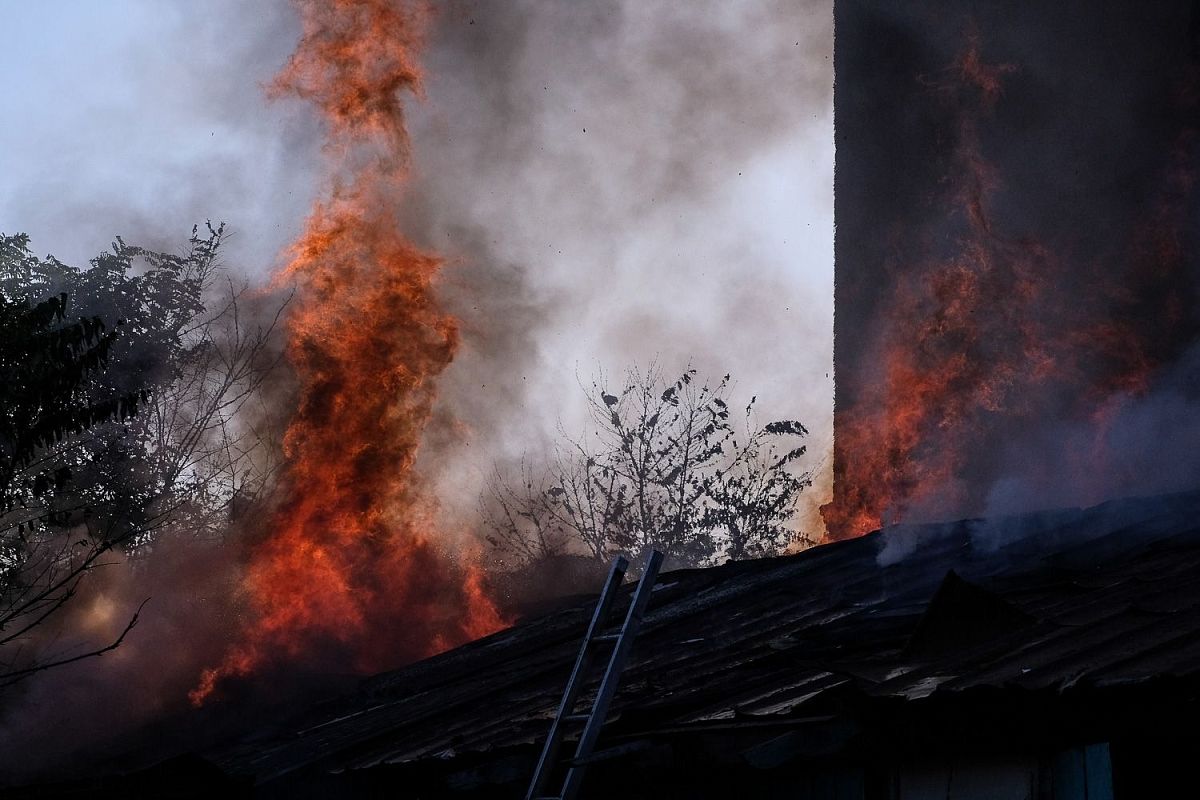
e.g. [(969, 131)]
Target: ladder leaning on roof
[(594, 718)]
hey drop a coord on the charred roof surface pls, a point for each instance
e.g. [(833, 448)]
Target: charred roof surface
[(1096, 598)]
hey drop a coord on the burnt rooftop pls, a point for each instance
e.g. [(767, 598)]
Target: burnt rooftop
[(1032, 631), (1070, 605)]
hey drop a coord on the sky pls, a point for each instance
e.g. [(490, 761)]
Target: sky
[(140, 118), (611, 183)]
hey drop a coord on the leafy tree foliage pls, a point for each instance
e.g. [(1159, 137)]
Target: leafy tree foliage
[(666, 465), (121, 421), (187, 340), (48, 399)]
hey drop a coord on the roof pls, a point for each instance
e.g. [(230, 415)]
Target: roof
[(1102, 597)]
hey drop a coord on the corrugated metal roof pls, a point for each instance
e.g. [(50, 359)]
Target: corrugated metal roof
[(1104, 597)]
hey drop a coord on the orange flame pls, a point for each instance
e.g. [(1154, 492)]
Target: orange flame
[(351, 564), (998, 329)]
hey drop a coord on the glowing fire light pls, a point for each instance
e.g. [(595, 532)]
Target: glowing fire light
[(351, 564), (994, 326)]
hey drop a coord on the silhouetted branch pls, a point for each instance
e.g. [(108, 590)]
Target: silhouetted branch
[(9, 678)]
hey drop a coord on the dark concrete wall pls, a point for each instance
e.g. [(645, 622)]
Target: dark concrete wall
[(1087, 137)]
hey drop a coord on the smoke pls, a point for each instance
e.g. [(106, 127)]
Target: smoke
[(608, 183), (1141, 444), (141, 118), (1072, 537), (628, 181), (618, 183), (76, 714)]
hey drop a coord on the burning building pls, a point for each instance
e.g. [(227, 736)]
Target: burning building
[(1016, 327)]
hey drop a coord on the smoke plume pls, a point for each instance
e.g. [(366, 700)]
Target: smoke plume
[(606, 183), (620, 183)]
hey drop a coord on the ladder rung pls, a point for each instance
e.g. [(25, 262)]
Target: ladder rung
[(595, 717)]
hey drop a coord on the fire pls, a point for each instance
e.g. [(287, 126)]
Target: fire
[(993, 331), (351, 566)]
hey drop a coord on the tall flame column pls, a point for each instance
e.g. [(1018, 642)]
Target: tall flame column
[(350, 569)]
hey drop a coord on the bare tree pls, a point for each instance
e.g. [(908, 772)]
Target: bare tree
[(753, 497), (519, 519), (207, 454), (586, 498), (663, 465)]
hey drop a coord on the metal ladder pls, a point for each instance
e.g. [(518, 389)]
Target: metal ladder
[(594, 718)]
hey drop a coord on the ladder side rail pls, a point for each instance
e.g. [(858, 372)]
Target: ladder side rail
[(612, 585), (612, 675)]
